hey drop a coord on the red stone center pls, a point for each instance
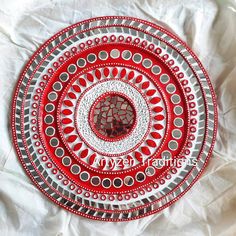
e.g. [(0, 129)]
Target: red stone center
[(112, 116)]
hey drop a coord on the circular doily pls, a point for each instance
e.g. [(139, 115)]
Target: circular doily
[(114, 118)]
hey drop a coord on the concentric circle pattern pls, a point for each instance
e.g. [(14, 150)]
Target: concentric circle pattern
[(114, 118)]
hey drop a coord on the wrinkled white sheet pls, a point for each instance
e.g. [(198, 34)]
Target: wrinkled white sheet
[(209, 28)]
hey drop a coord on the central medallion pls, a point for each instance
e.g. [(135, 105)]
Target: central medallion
[(112, 116)]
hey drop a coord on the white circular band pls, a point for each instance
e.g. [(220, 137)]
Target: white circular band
[(142, 116)]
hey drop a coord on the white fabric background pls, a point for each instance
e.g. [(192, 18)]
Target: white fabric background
[(209, 28)]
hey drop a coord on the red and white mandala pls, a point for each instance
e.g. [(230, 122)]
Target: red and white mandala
[(114, 118)]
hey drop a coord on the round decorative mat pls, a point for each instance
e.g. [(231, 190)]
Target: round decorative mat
[(114, 118)]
